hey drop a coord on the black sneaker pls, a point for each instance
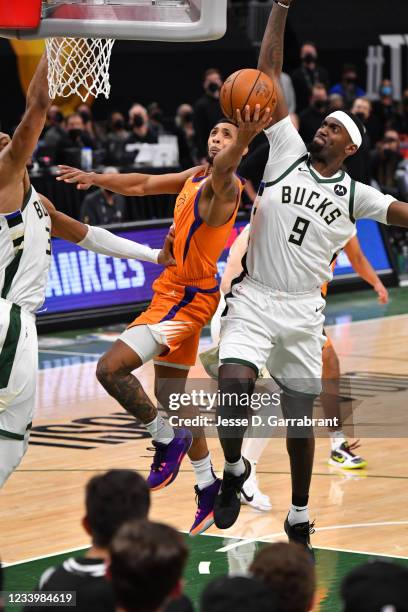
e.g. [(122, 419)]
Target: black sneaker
[(228, 501), (300, 533)]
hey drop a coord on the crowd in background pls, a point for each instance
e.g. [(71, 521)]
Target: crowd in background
[(123, 139), (137, 565)]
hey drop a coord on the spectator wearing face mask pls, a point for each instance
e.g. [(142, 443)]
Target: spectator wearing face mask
[(385, 108), (348, 86), (207, 111), (400, 121), (94, 130), (307, 75), (311, 118), (184, 130), (384, 163), (139, 123), (155, 114), (74, 139), (140, 133), (117, 134)]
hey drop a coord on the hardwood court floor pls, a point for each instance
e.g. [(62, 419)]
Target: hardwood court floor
[(80, 431)]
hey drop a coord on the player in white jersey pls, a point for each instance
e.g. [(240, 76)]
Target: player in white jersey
[(304, 214), (342, 454), (27, 222)]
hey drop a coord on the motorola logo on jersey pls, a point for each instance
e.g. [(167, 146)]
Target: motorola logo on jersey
[(340, 190)]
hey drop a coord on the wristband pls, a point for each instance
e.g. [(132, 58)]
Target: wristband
[(285, 6)]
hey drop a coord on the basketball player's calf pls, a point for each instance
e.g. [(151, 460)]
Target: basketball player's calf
[(236, 385), (114, 372), (300, 444), (342, 454)]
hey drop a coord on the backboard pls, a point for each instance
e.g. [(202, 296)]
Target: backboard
[(161, 20)]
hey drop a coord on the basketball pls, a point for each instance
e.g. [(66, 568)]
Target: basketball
[(247, 87)]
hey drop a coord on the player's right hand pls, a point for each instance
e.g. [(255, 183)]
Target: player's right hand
[(249, 127), (68, 174)]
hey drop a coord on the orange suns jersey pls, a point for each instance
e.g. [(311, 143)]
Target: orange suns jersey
[(197, 246), (325, 286)]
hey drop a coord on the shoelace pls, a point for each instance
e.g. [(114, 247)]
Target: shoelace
[(197, 499), (157, 464), (312, 529), (351, 447)]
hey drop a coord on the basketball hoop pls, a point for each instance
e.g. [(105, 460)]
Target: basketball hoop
[(79, 66)]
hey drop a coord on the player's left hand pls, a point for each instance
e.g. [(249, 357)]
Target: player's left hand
[(84, 180), (249, 127), (382, 293), (165, 257)]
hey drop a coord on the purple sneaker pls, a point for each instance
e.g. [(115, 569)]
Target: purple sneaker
[(204, 517), (168, 458)]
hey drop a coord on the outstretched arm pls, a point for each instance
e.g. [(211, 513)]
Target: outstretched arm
[(364, 269), (26, 136), (133, 184), (99, 240), (271, 54)]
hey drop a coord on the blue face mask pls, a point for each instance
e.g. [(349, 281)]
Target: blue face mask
[(386, 91)]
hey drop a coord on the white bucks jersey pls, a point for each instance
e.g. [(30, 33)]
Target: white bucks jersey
[(300, 219), (25, 253)]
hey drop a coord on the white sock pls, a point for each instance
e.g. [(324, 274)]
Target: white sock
[(252, 448), (298, 514), (204, 472), (160, 430), (236, 469), (336, 438)]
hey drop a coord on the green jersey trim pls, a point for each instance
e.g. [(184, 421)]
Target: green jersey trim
[(334, 179), (9, 349), (10, 273), (288, 171), (27, 198), (351, 201)]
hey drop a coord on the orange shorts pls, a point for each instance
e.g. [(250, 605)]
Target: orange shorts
[(176, 316)]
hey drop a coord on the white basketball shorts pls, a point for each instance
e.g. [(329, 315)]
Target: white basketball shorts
[(18, 377), (282, 330)]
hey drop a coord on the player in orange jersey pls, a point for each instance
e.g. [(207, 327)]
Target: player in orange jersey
[(185, 298)]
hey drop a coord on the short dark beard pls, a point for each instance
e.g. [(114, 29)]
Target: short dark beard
[(315, 151)]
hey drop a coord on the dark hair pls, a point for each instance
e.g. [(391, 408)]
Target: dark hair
[(348, 68), (237, 594), (289, 573), (372, 586), (147, 563), (113, 498), (225, 120)]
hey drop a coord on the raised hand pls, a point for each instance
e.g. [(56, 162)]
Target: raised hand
[(249, 127)]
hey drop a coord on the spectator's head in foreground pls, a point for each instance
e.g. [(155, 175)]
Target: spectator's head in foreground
[(287, 570), (376, 587), (112, 499), (146, 568), (237, 594)]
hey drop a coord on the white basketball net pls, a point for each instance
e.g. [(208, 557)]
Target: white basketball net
[(79, 66)]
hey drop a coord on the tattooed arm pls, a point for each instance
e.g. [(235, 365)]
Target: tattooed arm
[(271, 54)]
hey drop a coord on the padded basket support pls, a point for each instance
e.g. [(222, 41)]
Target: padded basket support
[(20, 14)]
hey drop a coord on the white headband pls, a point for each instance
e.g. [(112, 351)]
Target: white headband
[(350, 126)]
